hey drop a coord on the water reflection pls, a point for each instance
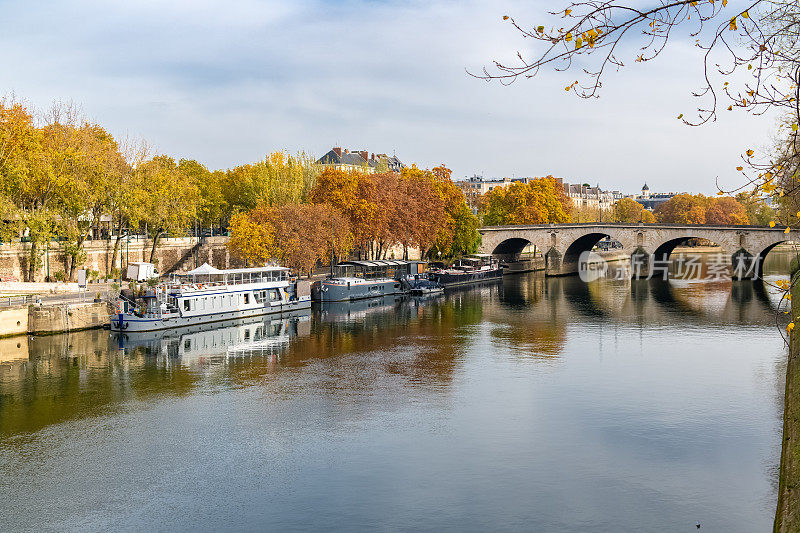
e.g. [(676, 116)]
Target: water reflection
[(84, 373), (553, 403)]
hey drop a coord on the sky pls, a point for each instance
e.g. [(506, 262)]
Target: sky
[(226, 82)]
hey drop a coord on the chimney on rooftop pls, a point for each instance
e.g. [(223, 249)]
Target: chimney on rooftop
[(337, 151), (372, 156), (346, 151), (364, 154)]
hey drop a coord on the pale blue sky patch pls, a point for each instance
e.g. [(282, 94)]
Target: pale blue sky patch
[(227, 82)]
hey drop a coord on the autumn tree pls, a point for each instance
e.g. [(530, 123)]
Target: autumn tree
[(171, 199), (539, 201), (276, 180), (353, 195), (629, 210), (456, 232), (726, 211), (212, 207), (758, 211), (126, 196), (296, 235), (683, 209)]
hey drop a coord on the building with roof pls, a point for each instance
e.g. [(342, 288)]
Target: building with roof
[(360, 161), (591, 197), (581, 195), (652, 200)]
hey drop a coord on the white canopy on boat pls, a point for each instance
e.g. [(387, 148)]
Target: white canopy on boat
[(204, 269)]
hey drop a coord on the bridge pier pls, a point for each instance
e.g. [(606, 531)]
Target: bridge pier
[(640, 263), (745, 266), (554, 264)]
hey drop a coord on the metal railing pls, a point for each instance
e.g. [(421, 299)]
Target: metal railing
[(12, 301)]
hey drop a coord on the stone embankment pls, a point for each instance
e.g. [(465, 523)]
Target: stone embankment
[(53, 318), (171, 254), (787, 516)]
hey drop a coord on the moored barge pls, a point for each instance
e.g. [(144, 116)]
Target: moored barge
[(472, 269), (207, 294), (356, 280)]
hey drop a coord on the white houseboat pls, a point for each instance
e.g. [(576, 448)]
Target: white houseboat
[(207, 294)]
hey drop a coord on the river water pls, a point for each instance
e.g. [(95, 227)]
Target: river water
[(529, 405)]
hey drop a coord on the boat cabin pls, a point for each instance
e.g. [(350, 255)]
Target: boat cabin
[(378, 269)]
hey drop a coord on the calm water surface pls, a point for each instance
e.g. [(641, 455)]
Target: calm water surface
[(532, 405)]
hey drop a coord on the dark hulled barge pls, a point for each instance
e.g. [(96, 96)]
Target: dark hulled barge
[(472, 269)]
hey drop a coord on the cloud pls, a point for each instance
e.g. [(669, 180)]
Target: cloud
[(227, 82)]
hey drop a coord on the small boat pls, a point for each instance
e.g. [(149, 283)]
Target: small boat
[(207, 294), (356, 280), (425, 287), (472, 269)]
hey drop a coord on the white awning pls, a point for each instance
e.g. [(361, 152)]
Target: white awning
[(204, 269)]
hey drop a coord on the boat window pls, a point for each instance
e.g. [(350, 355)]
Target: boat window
[(187, 345), (186, 305), (274, 295), (246, 298)]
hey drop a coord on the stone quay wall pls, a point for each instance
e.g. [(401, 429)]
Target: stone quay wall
[(171, 253)]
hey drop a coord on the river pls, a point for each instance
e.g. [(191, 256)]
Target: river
[(535, 404)]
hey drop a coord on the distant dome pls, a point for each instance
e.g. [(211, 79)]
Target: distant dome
[(645, 188)]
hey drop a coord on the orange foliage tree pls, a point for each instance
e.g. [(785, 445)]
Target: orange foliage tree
[(539, 201), (296, 235), (699, 209), (421, 208), (726, 211)]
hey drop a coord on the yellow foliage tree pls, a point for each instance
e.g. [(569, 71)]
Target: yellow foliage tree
[(540, 201), (628, 210)]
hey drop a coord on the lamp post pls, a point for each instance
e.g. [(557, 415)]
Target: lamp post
[(599, 205)]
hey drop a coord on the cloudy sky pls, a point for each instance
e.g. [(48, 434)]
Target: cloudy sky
[(225, 82)]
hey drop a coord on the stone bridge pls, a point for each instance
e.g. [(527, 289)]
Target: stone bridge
[(562, 244)]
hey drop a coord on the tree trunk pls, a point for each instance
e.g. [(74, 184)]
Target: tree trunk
[(78, 249), (117, 242), (32, 262), (156, 237)]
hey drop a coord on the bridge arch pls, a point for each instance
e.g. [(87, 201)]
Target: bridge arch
[(564, 263), (584, 243), (511, 248), (761, 256)]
